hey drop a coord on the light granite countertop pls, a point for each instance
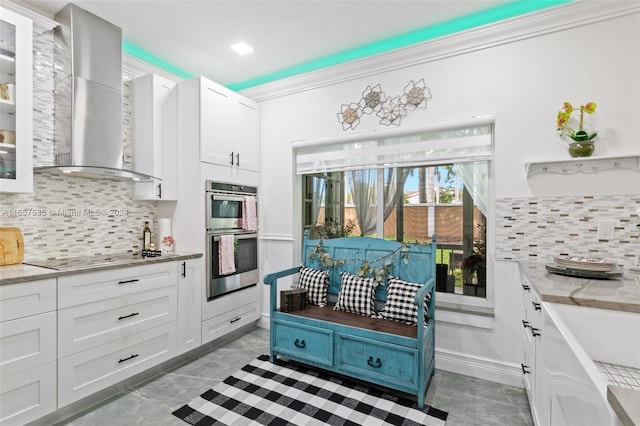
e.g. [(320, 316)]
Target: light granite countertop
[(619, 294), (11, 274)]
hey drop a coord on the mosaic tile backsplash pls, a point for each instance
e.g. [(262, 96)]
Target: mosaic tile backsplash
[(73, 216), (539, 228)]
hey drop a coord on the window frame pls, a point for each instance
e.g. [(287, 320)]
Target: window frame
[(452, 302)]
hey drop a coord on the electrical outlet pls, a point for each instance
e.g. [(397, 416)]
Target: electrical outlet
[(606, 229)]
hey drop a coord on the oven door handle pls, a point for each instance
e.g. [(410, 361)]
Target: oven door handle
[(238, 236), (226, 197)]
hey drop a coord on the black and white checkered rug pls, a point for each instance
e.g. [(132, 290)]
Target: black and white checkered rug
[(292, 394)]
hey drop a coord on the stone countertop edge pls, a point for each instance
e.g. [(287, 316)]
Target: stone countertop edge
[(19, 273), (626, 404), (618, 294)]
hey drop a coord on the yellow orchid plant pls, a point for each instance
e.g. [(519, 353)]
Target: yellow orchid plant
[(562, 122)]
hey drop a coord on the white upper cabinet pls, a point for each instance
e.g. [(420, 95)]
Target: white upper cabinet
[(155, 142), (229, 128), (16, 103)]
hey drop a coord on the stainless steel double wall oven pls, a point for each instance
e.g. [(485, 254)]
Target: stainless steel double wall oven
[(226, 215)]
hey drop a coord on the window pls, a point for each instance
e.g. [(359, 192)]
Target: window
[(418, 202), (408, 184)]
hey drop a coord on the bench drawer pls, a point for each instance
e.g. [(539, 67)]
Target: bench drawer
[(304, 342), (377, 361)]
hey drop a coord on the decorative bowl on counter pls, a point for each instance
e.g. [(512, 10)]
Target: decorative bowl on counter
[(584, 267)]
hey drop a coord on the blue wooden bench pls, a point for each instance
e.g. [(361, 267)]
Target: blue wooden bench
[(381, 351)]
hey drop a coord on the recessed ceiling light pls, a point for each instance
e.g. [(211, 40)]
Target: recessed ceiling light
[(242, 48)]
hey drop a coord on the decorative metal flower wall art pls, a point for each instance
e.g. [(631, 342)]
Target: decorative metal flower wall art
[(349, 116), (416, 95), (372, 99), (390, 110)]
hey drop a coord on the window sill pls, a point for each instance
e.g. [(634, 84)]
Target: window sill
[(467, 315)]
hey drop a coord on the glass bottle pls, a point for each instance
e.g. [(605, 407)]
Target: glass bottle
[(146, 236)]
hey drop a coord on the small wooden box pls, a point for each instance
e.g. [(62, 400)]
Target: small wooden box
[(293, 300)]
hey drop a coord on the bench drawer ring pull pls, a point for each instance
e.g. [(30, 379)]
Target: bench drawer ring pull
[(375, 364), (300, 343)]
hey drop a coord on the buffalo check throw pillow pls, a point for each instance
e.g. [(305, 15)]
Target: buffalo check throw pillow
[(400, 297), (356, 295), (316, 283)]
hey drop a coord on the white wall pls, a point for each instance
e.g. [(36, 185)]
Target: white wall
[(523, 83)]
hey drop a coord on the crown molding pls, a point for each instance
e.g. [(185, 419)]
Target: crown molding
[(567, 16), (41, 23), (137, 67)]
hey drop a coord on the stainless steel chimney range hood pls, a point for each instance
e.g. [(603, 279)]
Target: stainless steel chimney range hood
[(88, 96)]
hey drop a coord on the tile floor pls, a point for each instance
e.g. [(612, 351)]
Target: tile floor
[(469, 401)]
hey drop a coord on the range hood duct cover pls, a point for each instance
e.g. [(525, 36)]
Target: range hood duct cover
[(88, 95)]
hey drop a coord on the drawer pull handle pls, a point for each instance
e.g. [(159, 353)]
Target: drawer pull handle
[(534, 331), (526, 324), (537, 306), (300, 343), (128, 358), (135, 280), (129, 316), (235, 320), (526, 287), (525, 369), (375, 364)]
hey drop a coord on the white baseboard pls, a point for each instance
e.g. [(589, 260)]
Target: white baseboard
[(480, 368), (265, 321)]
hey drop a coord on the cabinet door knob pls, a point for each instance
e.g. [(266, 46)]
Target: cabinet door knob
[(232, 158), (238, 159), (159, 190), (537, 306), (526, 287), (525, 324), (300, 343), (525, 369), (184, 269), (535, 331)]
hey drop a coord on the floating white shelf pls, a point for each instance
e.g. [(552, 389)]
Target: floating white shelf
[(583, 165)]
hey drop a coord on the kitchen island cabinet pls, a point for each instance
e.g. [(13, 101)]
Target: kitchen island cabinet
[(584, 324), (531, 365), (28, 356)]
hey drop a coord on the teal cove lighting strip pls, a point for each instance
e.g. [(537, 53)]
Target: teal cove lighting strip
[(488, 16)]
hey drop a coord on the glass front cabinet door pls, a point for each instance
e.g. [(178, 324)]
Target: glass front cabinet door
[(16, 100)]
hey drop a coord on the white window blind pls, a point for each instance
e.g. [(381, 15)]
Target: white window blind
[(454, 141)]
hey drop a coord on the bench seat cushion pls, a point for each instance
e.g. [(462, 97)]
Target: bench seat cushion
[(326, 313)]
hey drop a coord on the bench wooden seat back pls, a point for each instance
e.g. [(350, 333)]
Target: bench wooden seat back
[(415, 263)]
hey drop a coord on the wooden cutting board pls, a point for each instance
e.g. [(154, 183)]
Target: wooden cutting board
[(11, 246)]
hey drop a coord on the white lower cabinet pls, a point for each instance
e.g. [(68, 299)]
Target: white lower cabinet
[(29, 395), (89, 371), (230, 312), (114, 324), (27, 351), (189, 304), (532, 337)]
